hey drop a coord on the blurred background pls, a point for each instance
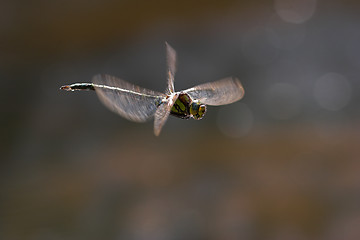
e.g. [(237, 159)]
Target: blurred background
[(283, 163)]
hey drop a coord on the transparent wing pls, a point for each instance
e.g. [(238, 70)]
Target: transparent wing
[(225, 91), (128, 100), (162, 114), (171, 64)]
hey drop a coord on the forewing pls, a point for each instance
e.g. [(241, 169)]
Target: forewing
[(217, 93), (171, 64), (128, 100), (162, 114)]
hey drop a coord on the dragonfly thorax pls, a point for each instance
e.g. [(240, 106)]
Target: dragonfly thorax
[(184, 107)]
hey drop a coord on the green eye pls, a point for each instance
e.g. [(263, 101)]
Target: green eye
[(197, 110)]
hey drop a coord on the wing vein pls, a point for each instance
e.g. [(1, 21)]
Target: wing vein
[(128, 100), (221, 92)]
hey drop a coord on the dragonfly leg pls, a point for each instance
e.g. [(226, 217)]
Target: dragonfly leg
[(78, 87)]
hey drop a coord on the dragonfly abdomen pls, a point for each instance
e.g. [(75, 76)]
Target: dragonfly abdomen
[(78, 86)]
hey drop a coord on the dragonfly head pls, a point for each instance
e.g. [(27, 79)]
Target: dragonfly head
[(197, 110)]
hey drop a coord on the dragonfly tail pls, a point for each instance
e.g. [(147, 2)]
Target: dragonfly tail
[(78, 87)]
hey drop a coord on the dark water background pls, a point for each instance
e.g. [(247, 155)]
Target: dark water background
[(283, 163)]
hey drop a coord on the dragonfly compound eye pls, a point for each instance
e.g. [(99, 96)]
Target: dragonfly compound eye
[(197, 110)]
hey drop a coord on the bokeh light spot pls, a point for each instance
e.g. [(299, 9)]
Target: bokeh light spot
[(295, 11), (332, 91)]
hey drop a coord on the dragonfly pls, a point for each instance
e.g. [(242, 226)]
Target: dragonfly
[(140, 104)]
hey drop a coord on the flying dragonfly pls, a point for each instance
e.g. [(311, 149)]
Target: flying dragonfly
[(140, 104)]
